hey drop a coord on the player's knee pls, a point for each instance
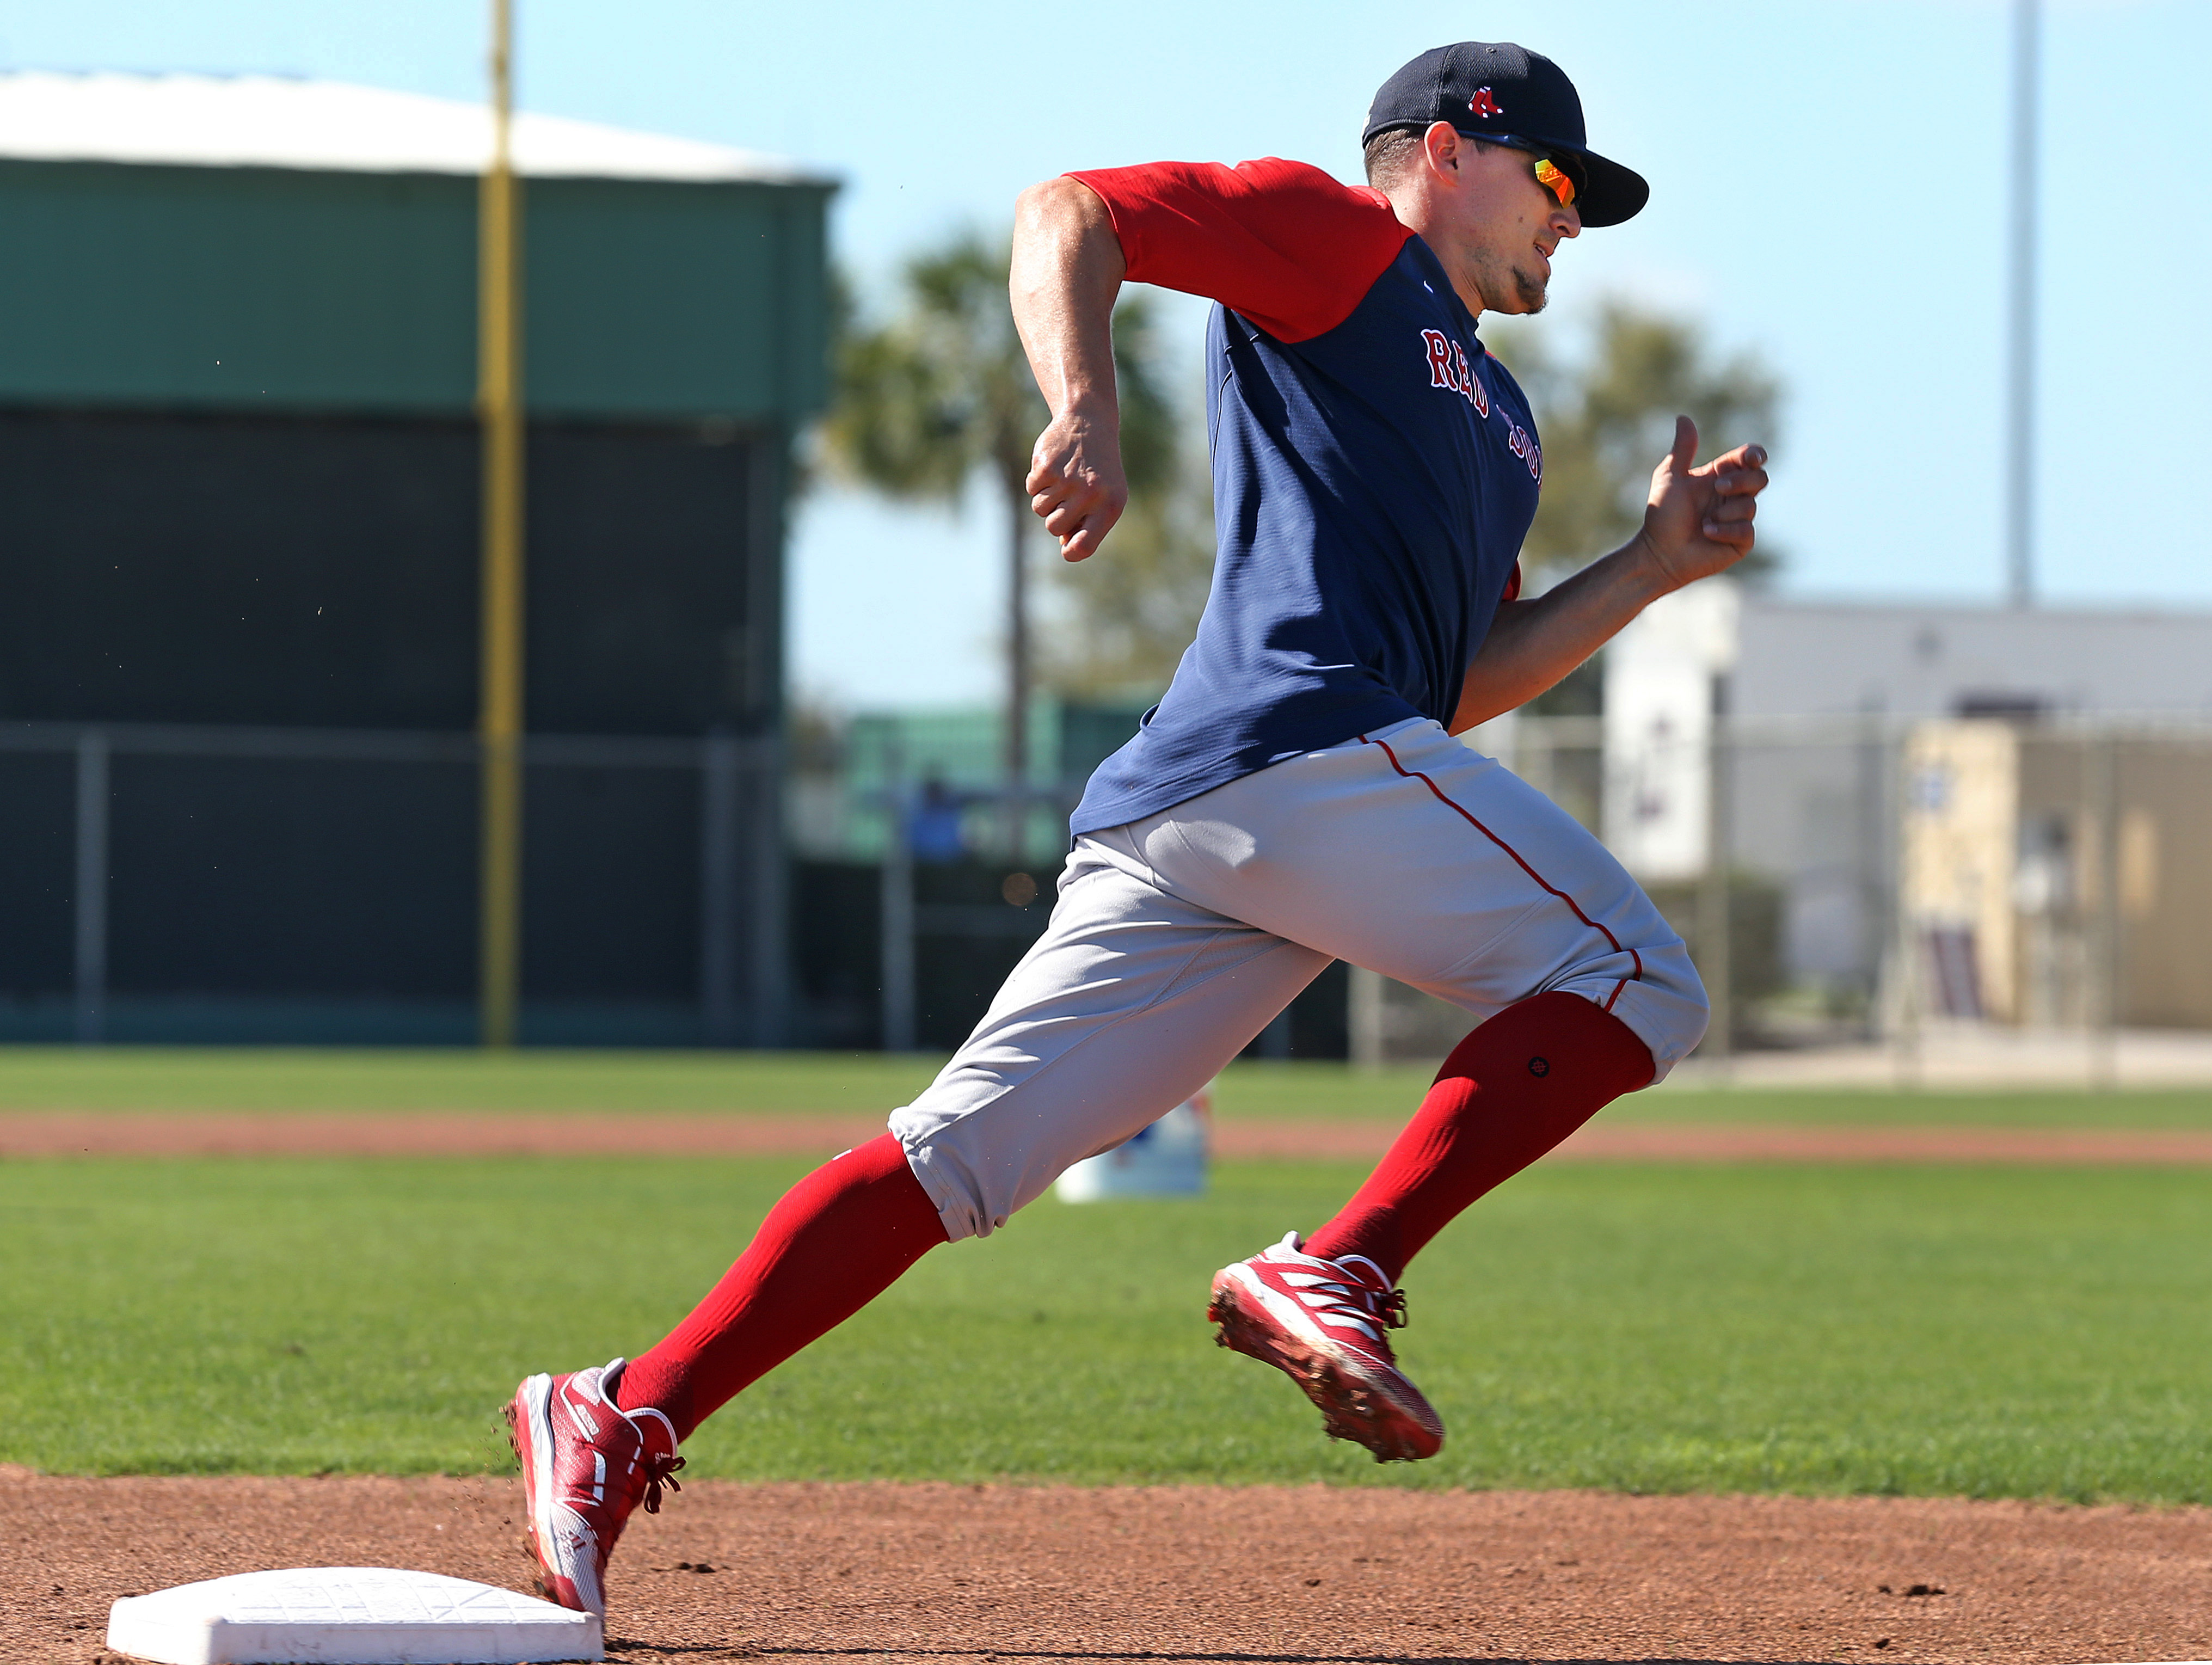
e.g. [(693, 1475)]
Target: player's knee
[(1679, 974), (1696, 1007), (967, 1200), (1667, 1004), (980, 1171)]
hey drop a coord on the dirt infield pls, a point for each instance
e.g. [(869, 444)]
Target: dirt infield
[(478, 1134), (996, 1573)]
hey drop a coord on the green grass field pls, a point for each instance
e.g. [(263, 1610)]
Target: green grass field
[(210, 1078), (1985, 1331)]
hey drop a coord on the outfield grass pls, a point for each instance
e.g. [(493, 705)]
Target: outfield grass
[(605, 1082), (1986, 1332), (454, 1078)]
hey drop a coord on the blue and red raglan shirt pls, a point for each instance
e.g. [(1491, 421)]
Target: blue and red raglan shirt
[(1373, 473)]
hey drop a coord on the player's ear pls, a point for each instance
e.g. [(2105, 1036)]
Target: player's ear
[(1442, 147)]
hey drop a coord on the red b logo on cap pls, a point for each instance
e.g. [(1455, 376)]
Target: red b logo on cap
[(1482, 104)]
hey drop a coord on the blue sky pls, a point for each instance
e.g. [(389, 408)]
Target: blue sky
[(1829, 183)]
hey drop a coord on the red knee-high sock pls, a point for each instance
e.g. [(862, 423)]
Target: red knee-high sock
[(838, 1239), (1512, 1090)]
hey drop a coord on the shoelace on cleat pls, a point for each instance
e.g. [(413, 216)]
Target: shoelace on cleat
[(659, 1472), (1390, 1308), (1349, 1298), (1387, 1305)]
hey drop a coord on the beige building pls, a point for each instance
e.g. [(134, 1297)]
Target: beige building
[(2057, 879)]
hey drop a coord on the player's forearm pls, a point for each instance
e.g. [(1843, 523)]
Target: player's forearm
[(1067, 274), (1533, 644)]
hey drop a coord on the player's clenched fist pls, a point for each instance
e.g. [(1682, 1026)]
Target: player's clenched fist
[(1075, 481), (1698, 521)]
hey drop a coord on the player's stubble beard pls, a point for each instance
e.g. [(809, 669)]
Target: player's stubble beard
[(1531, 288), (1500, 277)]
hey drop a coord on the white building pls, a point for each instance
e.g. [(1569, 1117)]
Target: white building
[(1817, 695)]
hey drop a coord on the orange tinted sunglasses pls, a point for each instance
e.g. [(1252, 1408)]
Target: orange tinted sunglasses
[(1554, 179)]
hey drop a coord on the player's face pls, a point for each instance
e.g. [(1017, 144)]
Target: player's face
[(1510, 224)]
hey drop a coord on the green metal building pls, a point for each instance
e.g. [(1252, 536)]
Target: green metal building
[(239, 508)]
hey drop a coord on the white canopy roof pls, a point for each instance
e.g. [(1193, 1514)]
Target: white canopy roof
[(269, 121)]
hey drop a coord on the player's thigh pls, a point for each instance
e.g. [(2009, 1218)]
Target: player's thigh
[(1414, 856), (1132, 1001)]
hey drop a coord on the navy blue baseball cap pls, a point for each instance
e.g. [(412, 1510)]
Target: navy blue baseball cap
[(1508, 94)]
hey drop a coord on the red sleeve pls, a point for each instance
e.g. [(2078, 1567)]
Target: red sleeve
[(1280, 242), (1512, 585)]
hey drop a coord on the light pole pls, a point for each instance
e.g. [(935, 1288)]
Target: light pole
[(499, 408), (2019, 390)]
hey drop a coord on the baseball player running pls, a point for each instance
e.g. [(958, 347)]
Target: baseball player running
[(1296, 796)]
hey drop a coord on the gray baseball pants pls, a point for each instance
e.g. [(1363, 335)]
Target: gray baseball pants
[(1175, 939)]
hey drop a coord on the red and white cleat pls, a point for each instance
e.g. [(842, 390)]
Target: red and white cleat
[(586, 1465), (1322, 1323)]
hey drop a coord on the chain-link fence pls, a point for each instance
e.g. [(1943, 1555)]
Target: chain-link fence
[(176, 882), (1871, 896)]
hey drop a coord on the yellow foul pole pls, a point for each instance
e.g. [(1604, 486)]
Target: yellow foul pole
[(499, 406)]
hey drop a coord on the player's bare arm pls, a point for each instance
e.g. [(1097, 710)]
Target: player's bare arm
[(1067, 273), (1696, 523)]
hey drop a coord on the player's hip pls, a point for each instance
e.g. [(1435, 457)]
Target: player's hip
[(1405, 818)]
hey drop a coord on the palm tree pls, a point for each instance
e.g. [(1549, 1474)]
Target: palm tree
[(942, 388)]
